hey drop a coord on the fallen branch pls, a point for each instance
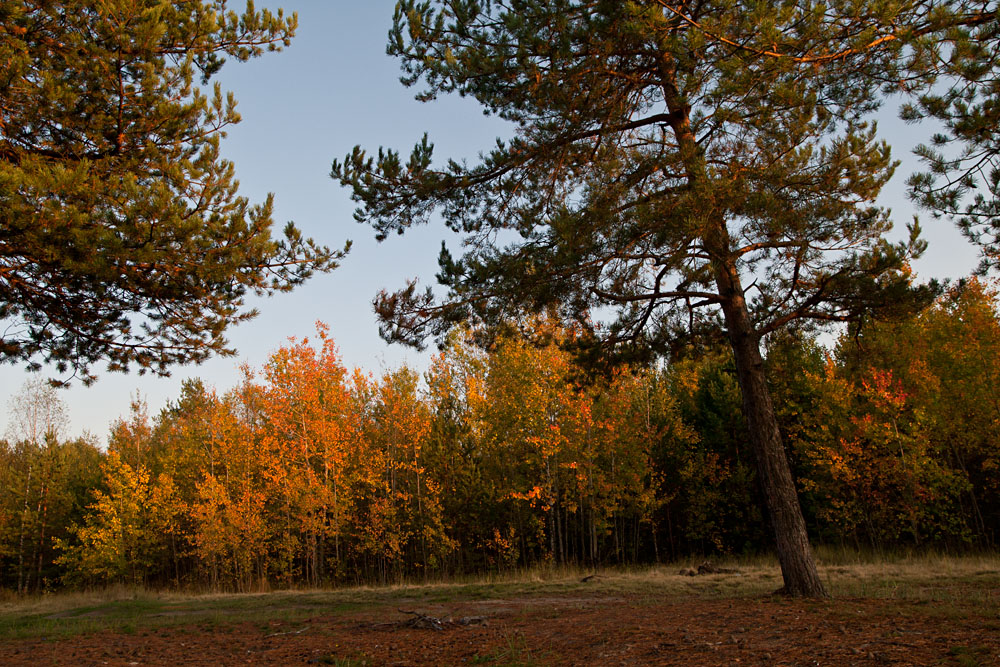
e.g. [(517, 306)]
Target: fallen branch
[(425, 622), (707, 568), (290, 632), (422, 621)]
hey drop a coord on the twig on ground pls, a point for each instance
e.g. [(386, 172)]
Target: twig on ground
[(290, 632), (422, 621)]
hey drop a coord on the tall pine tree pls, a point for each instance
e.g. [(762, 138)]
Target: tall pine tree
[(676, 168)]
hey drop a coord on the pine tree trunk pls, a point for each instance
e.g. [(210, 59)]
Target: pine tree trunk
[(798, 566)]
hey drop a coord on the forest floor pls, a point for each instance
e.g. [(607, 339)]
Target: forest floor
[(910, 612)]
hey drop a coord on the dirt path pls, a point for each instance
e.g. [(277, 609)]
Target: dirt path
[(582, 630)]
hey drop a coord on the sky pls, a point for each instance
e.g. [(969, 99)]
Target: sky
[(332, 89)]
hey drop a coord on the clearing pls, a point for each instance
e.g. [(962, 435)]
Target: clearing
[(926, 611)]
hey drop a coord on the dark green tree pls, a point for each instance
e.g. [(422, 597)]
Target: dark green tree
[(954, 69), (674, 168), (122, 236)]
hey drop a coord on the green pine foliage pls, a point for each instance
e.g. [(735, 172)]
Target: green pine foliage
[(648, 159), (122, 236), (953, 65)]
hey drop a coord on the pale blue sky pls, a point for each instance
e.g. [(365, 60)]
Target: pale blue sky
[(333, 88)]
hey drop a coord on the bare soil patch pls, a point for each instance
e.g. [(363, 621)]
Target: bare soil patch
[(600, 629), (925, 612)]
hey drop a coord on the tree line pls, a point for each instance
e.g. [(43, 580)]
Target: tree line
[(512, 456)]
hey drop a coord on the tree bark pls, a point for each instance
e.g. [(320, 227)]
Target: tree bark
[(798, 566)]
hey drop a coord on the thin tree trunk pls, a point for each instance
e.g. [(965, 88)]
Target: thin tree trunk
[(618, 545), (173, 550), (21, 586), (556, 509), (43, 511), (552, 533), (326, 515), (656, 544), (593, 539), (670, 533), (420, 514), (636, 526)]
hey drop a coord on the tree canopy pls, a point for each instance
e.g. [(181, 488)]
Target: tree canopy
[(954, 66), (675, 169), (645, 150), (122, 235)]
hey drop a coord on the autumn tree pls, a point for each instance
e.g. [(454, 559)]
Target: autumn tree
[(706, 464), (122, 535), (37, 419), (132, 438), (47, 487), (210, 457), (455, 457), (36, 412), (537, 423), (944, 365), (668, 174), (399, 525), (622, 495), (309, 430), (184, 440), (122, 235), (533, 465)]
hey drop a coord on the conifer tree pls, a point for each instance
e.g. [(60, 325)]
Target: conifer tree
[(122, 236), (953, 64), (676, 168)]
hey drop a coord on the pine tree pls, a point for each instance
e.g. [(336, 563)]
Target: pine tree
[(675, 170), (122, 236), (953, 64)]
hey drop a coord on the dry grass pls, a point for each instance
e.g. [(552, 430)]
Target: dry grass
[(955, 584), (51, 603)]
